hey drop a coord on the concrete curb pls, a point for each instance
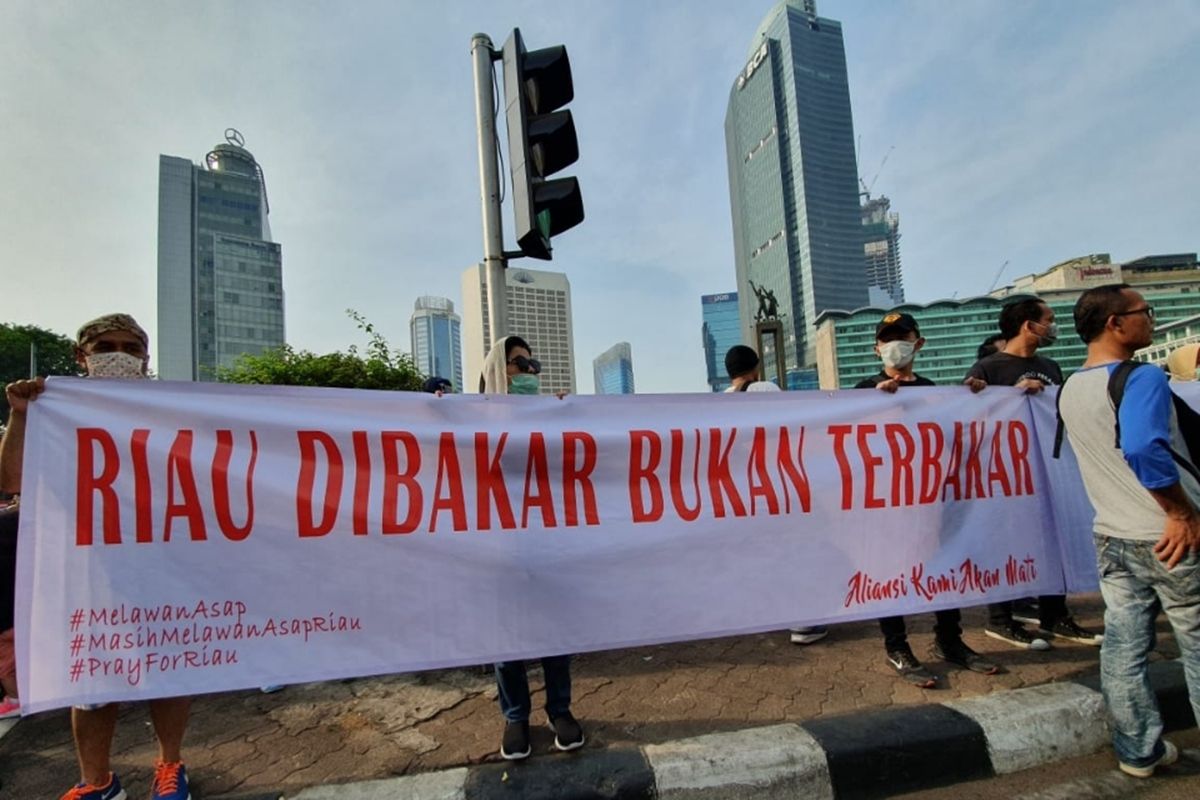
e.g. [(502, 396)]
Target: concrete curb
[(861, 755)]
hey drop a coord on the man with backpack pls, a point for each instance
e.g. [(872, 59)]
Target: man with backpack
[(1146, 497), (1026, 325)]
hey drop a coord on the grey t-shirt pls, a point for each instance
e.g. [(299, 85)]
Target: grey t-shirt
[(1125, 509)]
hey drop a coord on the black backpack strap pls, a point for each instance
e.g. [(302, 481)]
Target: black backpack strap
[(1116, 392), (1060, 427)]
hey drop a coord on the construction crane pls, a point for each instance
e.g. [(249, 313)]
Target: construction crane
[(867, 187), (996, 279)]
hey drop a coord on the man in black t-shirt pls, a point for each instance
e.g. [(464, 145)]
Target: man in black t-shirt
[(897, 341), (1027, 325)]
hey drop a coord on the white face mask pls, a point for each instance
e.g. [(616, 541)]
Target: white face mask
[(115, 365), (897, 354)]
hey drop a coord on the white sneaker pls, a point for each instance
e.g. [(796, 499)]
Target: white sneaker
[(808, 635), (1170, 756)]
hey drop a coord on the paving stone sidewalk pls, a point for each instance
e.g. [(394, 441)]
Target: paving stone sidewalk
[(367, 728)]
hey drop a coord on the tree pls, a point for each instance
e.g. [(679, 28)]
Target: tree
[(55, 355), (382, 367)]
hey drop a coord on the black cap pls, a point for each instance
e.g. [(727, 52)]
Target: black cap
[(435, 384), (901, 322), (739, 360)]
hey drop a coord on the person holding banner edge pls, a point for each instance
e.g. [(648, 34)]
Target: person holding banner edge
[(510, 368), (112, 346), (1025, 326), (897, 341)]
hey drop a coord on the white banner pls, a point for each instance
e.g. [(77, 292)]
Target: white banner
[(188, 538)]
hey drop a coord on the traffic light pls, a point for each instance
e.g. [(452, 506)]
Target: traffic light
[(541, 141)]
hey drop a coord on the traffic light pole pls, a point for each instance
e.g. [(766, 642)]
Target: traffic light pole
[(483, 55)]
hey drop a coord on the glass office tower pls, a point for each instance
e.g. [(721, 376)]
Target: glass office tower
[(436, 336), (721, 330), (612, 370), (793, 179), (220, 277)]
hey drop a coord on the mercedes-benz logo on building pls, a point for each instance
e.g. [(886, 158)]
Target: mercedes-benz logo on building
[(234, 137)]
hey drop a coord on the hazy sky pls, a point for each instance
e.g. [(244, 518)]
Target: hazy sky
[(1023, 131)]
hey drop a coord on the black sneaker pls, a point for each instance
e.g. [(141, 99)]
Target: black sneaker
[(567, 733), (957, 652), (905, 663), (1067, 628), (1026, 611), (515, 745), (1016, 635)]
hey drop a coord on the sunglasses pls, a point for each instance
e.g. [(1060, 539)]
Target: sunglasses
[(530, 365)]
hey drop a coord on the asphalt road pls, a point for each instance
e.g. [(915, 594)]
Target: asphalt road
[(1090, 778)]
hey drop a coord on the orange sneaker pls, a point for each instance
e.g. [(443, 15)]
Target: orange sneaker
[(170, 782)]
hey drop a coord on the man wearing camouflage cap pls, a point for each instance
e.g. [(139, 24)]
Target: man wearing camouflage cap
[(112, 346)]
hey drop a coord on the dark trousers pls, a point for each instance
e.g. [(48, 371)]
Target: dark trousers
[(1051, 609), (946, 629), (514, 688)]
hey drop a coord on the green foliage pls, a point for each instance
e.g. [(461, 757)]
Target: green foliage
[(55, 355), (381, 367)]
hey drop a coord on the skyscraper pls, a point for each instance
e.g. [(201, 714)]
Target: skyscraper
[(881, 247), (793, 179), (539, 311), (613, 370), (220, 277), (721, 330), (437, 340)]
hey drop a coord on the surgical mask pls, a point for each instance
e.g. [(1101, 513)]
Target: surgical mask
[(897, 354), (115, 365), (524, 384), (1049, 336)]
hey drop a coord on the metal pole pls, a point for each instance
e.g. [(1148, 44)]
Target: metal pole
[(483, 54)]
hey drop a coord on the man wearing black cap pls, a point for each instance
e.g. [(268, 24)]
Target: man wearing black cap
[(897, 342)]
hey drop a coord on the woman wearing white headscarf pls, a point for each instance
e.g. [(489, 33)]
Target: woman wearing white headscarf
[(510, 368)]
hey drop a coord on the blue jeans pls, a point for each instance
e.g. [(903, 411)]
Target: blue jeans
[(514, 688), (1136, 585)]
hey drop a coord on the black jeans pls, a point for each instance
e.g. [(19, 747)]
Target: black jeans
[(1051, 609), (945, 630)]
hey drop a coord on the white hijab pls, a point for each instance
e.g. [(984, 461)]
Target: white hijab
[(495, 369)]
